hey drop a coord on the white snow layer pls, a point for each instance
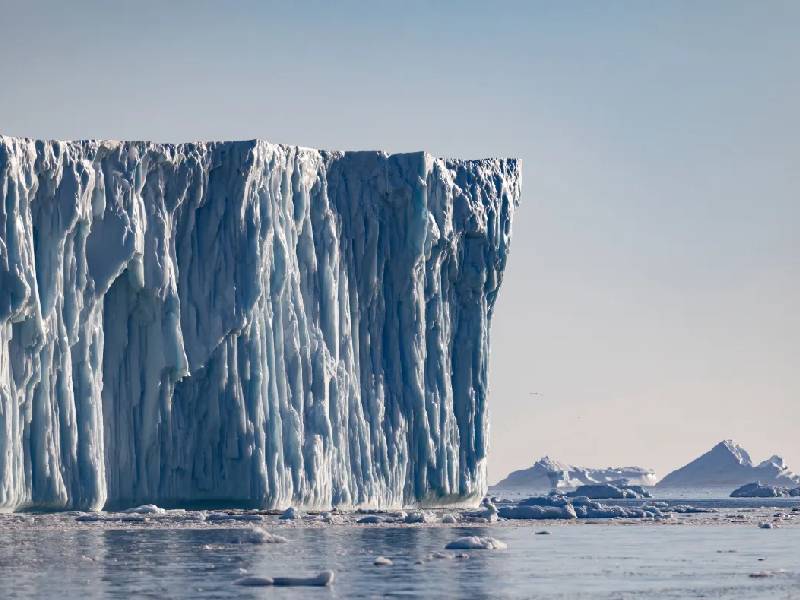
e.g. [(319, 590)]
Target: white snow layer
[(246, 323)]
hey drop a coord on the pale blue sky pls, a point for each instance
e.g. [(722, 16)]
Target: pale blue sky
[(653, 290)]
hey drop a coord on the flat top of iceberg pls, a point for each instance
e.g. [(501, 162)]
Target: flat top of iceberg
[(110, 142)]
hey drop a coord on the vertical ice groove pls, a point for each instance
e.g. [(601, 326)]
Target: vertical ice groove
[(245, 323)]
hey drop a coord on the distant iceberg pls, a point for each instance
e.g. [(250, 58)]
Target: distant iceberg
[(728, 464), (245, 323), (757, 490), (549, 474)]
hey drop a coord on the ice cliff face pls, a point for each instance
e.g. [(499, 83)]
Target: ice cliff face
[(245, 323)]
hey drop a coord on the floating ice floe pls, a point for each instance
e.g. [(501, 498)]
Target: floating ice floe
[(382, 561), (331, 518), (758, 490), (322, 580), (370, 520), (476, 543), (290, 514), (419, 516), (538, 512), (255, 581), (487, 514), (215, 517), (145, 509), (765, 574), (132, 519), (607, 491), (194, 515), (556, 506), (686, 509), (254, 535), (90, 518)]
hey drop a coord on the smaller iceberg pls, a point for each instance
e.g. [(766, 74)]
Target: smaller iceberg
[(549, 474), (759, 490)]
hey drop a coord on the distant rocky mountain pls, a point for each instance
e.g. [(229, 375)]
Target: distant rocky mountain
[(549, 474), (728, 464)]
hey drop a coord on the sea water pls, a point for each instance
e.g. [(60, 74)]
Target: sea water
[(52, 556)]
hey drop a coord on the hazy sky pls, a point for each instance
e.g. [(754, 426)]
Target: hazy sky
[(651, 300)]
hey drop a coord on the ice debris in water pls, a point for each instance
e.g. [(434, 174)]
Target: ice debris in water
[(556, 506), (338, 305), (254, 535), (89, 518), (290, 514), (331, 518), (322, 580), (419, 516), (370, 520), (537, 512), (145, 509), (382, 561), (215, 517), (686, 509), (255, 581), (488, 513), (765, 574), (607, 491), (476, 543)]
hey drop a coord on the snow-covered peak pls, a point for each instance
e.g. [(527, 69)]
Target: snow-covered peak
[(729, 447)]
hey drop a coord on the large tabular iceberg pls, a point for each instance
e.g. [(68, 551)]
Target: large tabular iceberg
[(245, 323)]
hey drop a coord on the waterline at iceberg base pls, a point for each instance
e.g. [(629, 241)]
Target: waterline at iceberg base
[(245, 323)]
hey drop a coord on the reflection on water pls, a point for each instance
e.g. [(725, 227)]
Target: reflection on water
[(575, 560)]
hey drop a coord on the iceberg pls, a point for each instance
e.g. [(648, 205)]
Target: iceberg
[(245, 324), (728, 464), (757, 490), (549, 474)]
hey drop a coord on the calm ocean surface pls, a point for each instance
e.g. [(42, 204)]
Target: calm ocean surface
[(601, 560)]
